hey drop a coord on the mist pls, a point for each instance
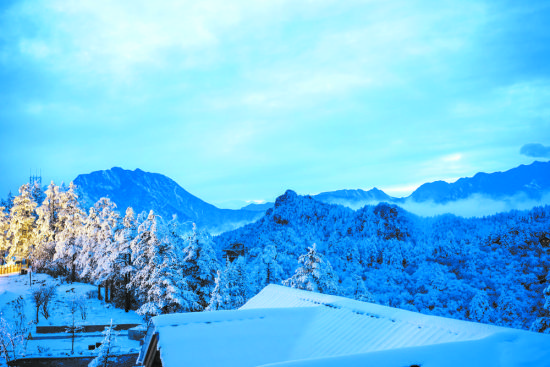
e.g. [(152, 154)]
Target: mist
[(476, 205)]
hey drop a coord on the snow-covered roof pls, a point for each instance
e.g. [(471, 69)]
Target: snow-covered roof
[(290, 327)]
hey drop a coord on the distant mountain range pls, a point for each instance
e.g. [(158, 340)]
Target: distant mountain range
[(144, 191), (532, 181)]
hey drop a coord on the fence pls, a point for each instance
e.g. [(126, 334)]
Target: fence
[(15, 268)]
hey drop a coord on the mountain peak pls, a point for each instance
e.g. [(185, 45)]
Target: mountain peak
[(145, 191)]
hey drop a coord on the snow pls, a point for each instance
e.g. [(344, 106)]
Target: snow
[(505, 349), (98, 313), (287, 327)]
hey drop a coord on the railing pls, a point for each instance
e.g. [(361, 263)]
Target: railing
[(15, 268)]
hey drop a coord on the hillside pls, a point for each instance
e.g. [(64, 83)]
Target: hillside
[(446, 265)]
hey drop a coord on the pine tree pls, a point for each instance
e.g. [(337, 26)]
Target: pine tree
[(200, 266), (360, 292), (218, 299), (8, 203), (480, 309), (542, 323), (509, 310), (86, 259), (143, 247), (96, 256), (37, 193), (22, 223), (168, 291), (47, 226), (122, 256), (69, 238), (314, 274), (107, 350), (267, 269), (231, 289), (4, 227)]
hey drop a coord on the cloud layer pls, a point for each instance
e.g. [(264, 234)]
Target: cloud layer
[(535, 150)]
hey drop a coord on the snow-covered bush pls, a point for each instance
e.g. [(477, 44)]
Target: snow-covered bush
[(108, 348)]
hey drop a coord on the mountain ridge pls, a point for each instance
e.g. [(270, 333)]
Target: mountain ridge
[(144, 191), (531, 180)]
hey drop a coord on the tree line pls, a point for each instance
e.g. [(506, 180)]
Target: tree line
[(492, 269), (146, 263)]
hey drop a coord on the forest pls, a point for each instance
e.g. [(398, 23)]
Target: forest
[(492, 269)]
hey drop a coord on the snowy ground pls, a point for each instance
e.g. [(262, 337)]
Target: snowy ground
[(59, 344)]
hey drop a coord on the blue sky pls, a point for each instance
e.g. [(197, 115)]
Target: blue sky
[(241, 100)]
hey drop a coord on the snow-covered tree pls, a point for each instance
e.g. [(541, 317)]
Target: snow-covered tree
[(218, 299), (87, 257), (142, 249), (8, 202), (4, 227), (122, 258), (47, 226), (542, 323), (69, 238), (359, 291), (509, 310), (266, 268), (37, 193), (314, 274), (231, 289), (480, 308), (167, 289), (22, 222), (108, 349), (200, 266), (10, 341), (98, 245)]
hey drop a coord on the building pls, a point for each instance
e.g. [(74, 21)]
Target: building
[(289, 327)]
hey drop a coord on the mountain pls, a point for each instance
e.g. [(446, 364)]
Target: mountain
[(354, 197), (526, 181), (258, 207), (438, 265), (144, 191), (532, 180), (350, 198)]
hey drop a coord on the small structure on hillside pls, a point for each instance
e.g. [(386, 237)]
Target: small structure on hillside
[(233, 252), (544, 241), (291, 327)]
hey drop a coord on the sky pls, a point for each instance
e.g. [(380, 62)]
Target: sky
[(240, 100)]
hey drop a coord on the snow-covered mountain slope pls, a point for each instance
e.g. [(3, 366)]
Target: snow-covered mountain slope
[(144, 191), (445, 265), (532, 181)]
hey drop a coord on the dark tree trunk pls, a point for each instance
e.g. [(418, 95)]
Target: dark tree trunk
[(107, 291), (73, 270), (111, 289), (99, 292), (126, 293)]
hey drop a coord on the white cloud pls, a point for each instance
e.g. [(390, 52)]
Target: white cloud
[(476, 206), (35, 48)]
